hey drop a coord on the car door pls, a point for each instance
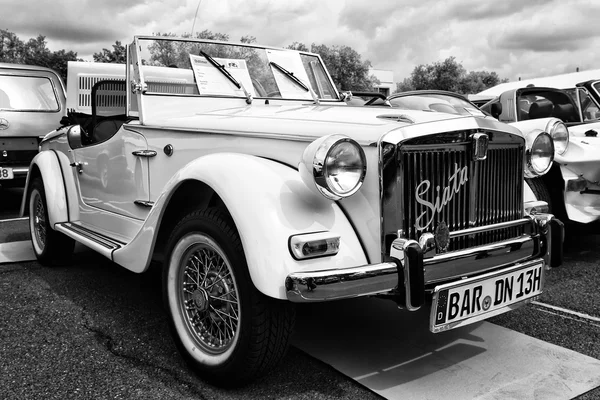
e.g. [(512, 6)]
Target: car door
[(113, 173)]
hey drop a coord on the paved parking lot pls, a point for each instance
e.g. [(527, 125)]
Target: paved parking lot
[(96, 330)]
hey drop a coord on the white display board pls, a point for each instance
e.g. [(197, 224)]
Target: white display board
[(291, 62), (212, 81)]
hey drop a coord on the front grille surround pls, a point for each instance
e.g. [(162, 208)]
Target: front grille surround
[(492, 192)]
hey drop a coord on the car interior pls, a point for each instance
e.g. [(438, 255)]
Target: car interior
[(535, 104)]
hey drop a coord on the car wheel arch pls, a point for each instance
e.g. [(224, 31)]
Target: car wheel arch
[(47, 166), (188, 195), (241, 185), (34, 172)]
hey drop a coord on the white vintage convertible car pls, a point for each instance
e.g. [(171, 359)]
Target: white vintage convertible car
[(242, 172), (572, 185)]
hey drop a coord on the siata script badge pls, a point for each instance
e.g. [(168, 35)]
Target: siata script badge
[(443, 195)]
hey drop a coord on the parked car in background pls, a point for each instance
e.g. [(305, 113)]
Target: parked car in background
[(587, 95), (242, 171), (572, 186), (32, 103), (435, 100), (360, 98)]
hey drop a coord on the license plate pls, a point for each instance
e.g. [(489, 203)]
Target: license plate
[(471, 300), (6, 173)]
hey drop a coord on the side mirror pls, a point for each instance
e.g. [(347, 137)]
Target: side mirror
[(496, 110), (75, 136)]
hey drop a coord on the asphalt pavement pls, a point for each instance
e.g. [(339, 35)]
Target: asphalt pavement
[(95, 330)]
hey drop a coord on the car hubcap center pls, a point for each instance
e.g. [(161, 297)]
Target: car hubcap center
[(200, 299)]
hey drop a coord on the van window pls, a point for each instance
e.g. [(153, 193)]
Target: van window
[(27, 93)]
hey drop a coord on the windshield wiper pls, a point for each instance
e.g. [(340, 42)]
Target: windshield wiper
[(296, 80), (227, 75)]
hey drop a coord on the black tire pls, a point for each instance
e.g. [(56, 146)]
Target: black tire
[(541, 192), (225, 350), (50, 247), (539, 189)]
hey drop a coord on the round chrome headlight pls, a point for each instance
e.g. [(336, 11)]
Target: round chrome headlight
[(539, 153), (334, 165), (560, 134)]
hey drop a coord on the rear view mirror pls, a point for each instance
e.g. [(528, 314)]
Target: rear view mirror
[(496, 110)]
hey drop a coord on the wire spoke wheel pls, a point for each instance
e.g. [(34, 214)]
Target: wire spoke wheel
[(208, 297), (39, 220), (222, 325), (50, 247)]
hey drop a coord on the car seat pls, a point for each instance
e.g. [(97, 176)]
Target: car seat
[(565, 112), (538, 110)]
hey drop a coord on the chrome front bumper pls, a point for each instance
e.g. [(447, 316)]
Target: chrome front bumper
[(409, 272)]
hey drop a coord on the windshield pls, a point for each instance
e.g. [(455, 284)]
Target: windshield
[(182, 67), (436, 102), (27, 93), (589, 109)]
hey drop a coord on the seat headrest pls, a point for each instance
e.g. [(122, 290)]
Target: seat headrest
[(543, 110), (565, 112)]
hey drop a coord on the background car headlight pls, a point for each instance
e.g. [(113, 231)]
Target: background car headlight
[(539, 153), (560, 134), (334, 165)]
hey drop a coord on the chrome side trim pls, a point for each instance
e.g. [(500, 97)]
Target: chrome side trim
[(314, 286), (256, 135), (93, 240)]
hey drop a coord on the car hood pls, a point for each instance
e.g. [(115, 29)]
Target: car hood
[(364, 124)]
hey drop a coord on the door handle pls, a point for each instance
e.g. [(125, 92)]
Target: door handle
[(77, 165), (144, 153)]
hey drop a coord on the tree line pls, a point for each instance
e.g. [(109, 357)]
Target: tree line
[(345, 65)]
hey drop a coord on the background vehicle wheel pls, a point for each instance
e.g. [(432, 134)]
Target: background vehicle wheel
[(539, 189), (225, 329), (49, 246)]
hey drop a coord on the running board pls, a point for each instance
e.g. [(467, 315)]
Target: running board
[(96, 241)]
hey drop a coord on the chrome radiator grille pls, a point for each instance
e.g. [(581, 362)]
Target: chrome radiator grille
[(438, 183)]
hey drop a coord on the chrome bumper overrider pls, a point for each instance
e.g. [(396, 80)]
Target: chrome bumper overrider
[(409, 271)]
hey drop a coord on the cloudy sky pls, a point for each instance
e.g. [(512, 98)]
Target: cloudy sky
[(515, 38)]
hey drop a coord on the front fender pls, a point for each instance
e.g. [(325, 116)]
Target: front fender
[(581, 163), (46, 165), (268, 203), (581, 205)]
